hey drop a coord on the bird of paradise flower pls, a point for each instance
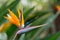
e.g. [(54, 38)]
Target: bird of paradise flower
[(19, 22), (57, 7)]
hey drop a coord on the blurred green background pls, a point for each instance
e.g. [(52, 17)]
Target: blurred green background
[(36, 12)]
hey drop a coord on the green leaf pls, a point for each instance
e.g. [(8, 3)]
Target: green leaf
[(10, 31), (4, 5), (40, 20), (28, 11), (55, 36), (35, 15)]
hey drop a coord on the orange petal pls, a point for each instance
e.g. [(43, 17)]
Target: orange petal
[(14, 17), (21, 17), (5, 26), (58, 8), (22, 20), (19, 13), (11, 20)]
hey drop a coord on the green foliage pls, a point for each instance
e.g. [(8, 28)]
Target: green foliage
[(55, 36), (34, 18)]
